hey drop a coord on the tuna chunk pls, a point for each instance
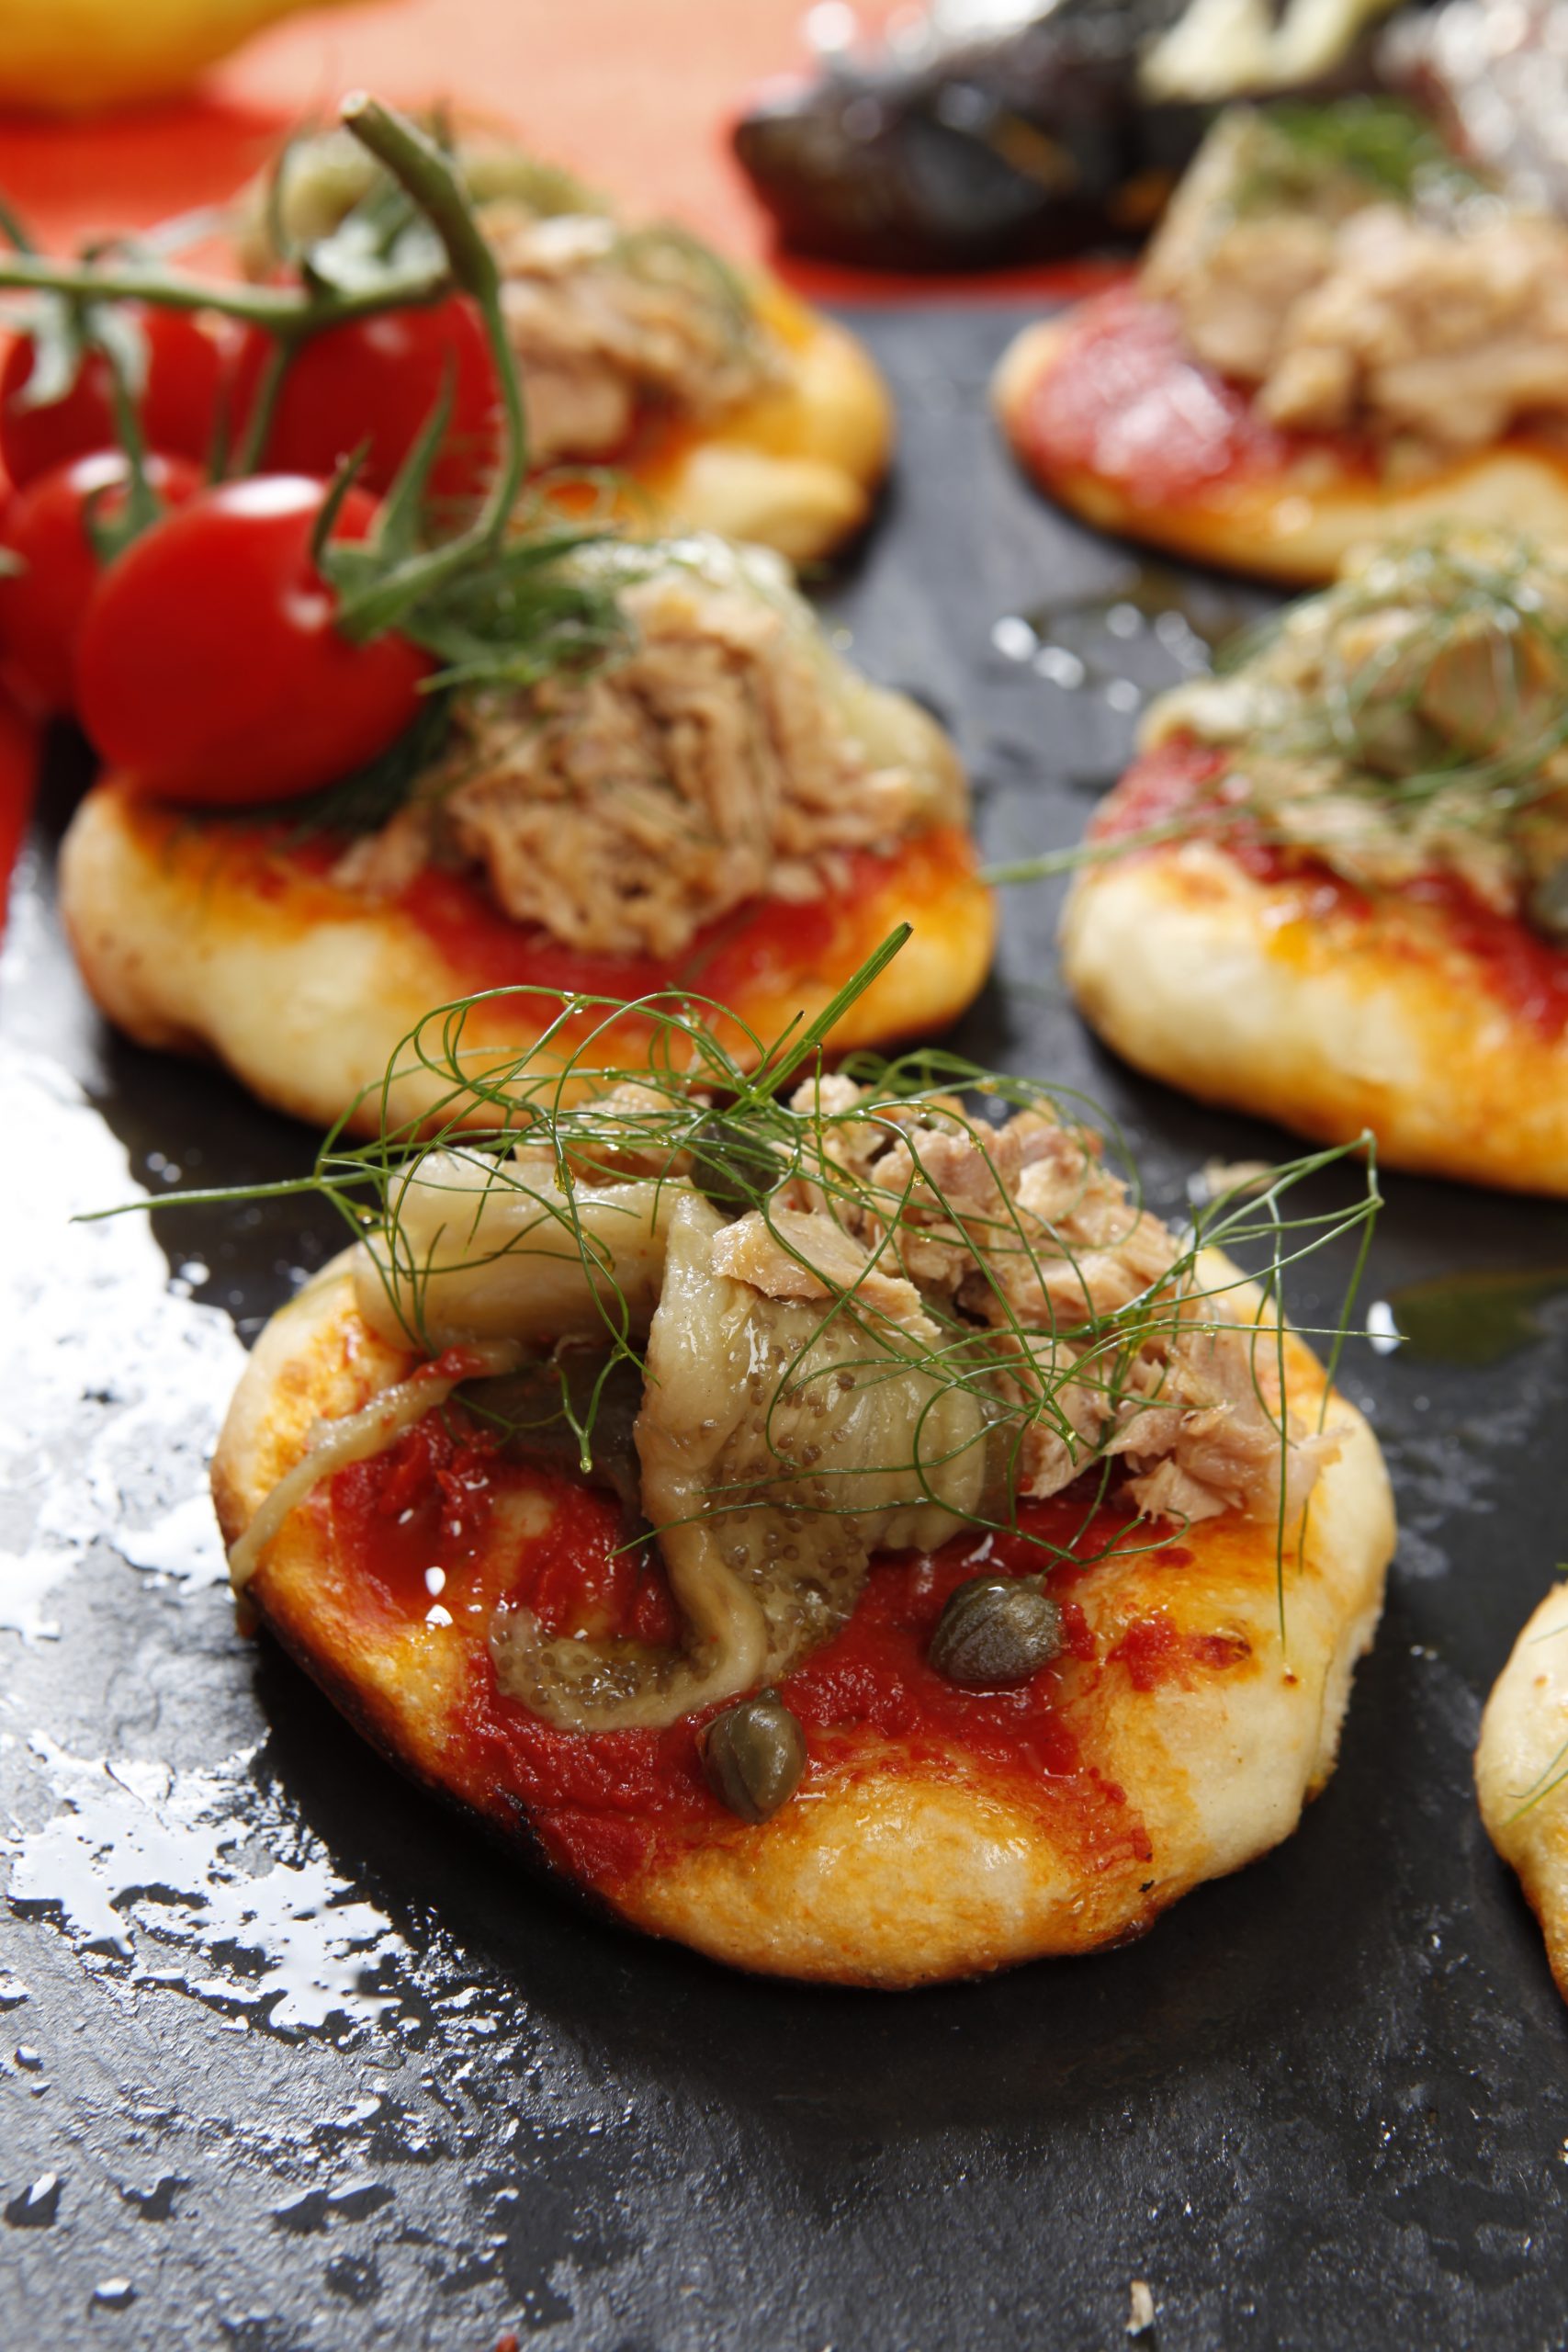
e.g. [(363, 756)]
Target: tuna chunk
[(726, 755), (1442, 324)]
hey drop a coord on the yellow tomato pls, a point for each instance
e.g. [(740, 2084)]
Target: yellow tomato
[(68, 56)]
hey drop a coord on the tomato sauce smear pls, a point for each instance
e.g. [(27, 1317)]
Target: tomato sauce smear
[(1124, 399), (763, 948), (605, 1804), (1182, 775), (490, 950)]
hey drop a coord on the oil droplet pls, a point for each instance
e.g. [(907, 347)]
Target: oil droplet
[(143, 1865), (107, 1413), (1476, 1319), (1062, 668), (157, 2203), (1382, 1330), (1013, 638), (35, 2208), (1150, 633), (185, 1545), (354, 2277), (309, 2214), (26, 1578)]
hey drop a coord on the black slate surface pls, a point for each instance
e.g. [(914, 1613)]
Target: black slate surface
[(290, 2060)]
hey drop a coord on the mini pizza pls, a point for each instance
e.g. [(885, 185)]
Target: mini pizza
[(1337, 335), (716, 805), (843, 1533), (725, 404), (1521, 1771), (1332, 888)]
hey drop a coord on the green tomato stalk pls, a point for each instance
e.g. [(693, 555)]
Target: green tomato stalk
[(418, 164)]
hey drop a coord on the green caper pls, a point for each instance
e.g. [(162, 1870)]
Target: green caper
[(754, 1756), (733, 1167), (1547, 904), (995, 1631)]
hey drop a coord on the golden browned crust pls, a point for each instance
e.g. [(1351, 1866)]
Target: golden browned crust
[(893, 1873), (1522, 1750), (1258, 995), (305, 991), (796, 469), (1298, 528)]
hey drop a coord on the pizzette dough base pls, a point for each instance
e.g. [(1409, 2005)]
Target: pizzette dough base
[(1523, 1748), (305, 991), (1253, 995), (879, 1873), (797, 468), (1299, 529)]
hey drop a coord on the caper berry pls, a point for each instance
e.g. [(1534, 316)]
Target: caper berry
[(995, 1631), (1547, 906), (754, 1756)]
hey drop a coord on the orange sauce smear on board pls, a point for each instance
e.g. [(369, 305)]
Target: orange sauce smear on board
[(603, 1804), (1125, 398), (1521, 968)]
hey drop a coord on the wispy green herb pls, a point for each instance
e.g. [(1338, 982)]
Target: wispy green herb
[(1379, 144), (1427, 691), (710, 1110)]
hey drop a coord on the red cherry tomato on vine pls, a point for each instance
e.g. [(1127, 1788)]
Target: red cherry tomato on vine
[(45, 526), (379, 380), (209, 666), (178, 402)]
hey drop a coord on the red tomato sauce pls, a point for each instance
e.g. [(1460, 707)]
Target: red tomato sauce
[(1154, 1650), (1125, 398), (1524, 970), (761, 942), (490, 950), (1162, 785), (602, 1802)]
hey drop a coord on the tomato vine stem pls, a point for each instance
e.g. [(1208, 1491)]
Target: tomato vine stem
[(431, 179), (283, 311)]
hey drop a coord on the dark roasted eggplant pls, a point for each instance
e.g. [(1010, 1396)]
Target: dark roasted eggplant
[(1033, 138), (543, 1411)]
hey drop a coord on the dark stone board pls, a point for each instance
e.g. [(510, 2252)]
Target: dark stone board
[(292, 2060)]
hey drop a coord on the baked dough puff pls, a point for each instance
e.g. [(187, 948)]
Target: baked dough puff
[(1281, 507), (794, 469), (205, 939), (1293, 1000), (721, 811), (1521, 1771), (1180, 1752)]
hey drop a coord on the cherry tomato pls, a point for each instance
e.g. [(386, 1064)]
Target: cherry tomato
[(210, 668), (41, 607), (379, 380), (179, 401)]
